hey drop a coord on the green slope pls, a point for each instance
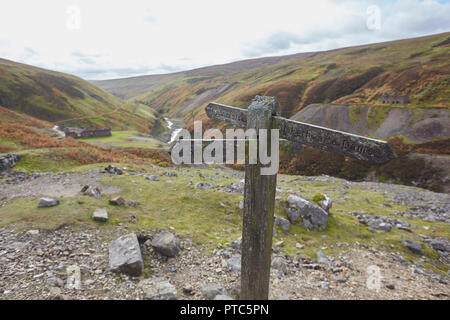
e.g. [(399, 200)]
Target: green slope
[(55, 96)]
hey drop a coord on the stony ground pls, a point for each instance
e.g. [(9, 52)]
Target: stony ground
[(34, 263)]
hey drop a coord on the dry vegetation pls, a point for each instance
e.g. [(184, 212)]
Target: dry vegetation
[(17, 131)]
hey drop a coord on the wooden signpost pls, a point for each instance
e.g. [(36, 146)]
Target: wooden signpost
[(259, 194)]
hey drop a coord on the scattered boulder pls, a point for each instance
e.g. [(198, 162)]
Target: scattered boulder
[(48, 202), (132, 203), (379, 223), (100, 215), (235, 263), (125, 255), (283, 223), (117, 201), (241, 205), (414, 246), (160, 290), (305, 213), (203, 185), (91, 191), (113, 170), (171, 174), (152, 178), (439, 245), (8, 161), (166, 244), (211, 290)]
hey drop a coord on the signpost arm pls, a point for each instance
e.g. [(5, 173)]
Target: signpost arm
[(259, 200)]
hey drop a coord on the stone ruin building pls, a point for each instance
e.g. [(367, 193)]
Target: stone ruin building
[(388, 98), (81, 132)]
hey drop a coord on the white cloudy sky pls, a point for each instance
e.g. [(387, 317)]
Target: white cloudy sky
[(111, 40)]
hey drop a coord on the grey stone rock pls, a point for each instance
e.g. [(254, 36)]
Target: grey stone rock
[(414, 246), (91, 192), (113, 170), (152, 178), (241, 205), (203, 185), (439, 245), (212, 290), (235, 263), (170, 174), (166, 244), (326, 204), (161, 290), (125, 255), (306, 213), (100, 215), (132, 203), (48, 202), (385, 226), (322, 258), (117, 201), (283, 223)]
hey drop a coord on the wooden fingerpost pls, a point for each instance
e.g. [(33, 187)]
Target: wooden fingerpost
[(259, 200)]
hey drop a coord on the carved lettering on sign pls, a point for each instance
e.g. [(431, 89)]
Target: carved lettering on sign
[(347, 144)]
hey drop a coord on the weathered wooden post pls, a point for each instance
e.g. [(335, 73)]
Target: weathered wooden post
[(260, 189), (259, 202)]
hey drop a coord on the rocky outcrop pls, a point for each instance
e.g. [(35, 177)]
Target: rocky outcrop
[(8, 161)]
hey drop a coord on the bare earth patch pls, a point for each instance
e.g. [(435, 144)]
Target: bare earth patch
[(67, 184)]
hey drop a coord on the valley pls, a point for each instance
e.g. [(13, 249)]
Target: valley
[(394, 217)]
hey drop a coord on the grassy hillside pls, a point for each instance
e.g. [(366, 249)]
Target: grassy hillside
[(419, 67), (55, 96)]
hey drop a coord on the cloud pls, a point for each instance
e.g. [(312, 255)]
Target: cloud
[(400, 19), (120, 39)]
